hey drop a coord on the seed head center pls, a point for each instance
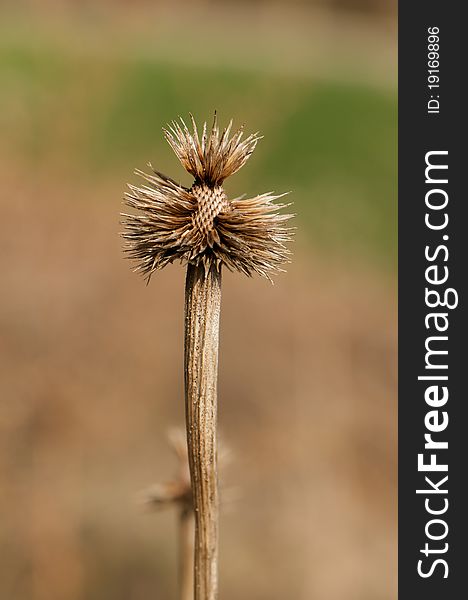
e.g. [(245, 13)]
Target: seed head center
[(210, 203)]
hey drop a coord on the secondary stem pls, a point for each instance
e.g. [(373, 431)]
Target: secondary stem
[(202, 310), (186, 548)]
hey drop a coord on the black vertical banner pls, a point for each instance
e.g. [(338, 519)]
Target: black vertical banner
[(433, 270)]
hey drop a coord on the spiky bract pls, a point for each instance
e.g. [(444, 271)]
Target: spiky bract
[(201, 225)]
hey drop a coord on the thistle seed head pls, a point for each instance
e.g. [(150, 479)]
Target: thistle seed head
[(201, 225)]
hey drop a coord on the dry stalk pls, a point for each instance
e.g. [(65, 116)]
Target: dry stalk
[(204, 229), (178, 493), (202, 310)]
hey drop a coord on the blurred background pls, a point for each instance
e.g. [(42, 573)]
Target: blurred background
[(91, 358)]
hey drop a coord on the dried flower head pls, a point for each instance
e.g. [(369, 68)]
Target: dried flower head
[(201, 225), (178, 490)]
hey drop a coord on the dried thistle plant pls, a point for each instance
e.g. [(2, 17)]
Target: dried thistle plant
[(203, 228), (178, 493), (200, 225)]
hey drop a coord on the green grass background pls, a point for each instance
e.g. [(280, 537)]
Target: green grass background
[(331, 143)]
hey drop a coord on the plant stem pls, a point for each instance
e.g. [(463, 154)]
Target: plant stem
[(202, 310), (186, 549)]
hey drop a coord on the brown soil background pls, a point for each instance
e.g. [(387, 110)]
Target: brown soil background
[(91, 371)]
